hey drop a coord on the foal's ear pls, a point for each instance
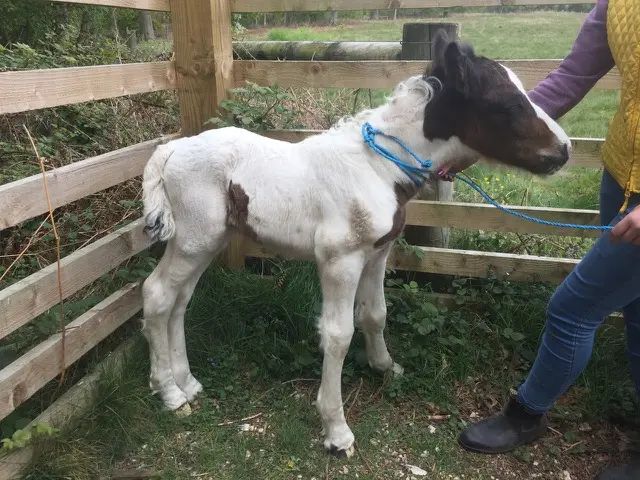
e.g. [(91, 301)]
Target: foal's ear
[(458, 68), (440, 43)]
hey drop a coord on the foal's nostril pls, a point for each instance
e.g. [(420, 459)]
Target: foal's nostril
[(565, 152)]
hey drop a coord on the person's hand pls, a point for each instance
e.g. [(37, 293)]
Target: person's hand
[(628, 229)]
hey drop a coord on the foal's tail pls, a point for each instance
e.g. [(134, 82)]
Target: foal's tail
[(157, 209)]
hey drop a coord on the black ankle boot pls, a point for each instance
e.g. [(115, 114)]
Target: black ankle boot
[(504, 431), (630, 471)]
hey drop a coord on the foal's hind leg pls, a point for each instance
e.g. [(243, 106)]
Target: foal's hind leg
[(159, 294), (177, 344), (372, 312), (339, 277), (166, 294)]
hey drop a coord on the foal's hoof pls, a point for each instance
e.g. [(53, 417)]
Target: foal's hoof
[(192, 389), (342, 453), (340, 444), (183, 411), (397, 370)]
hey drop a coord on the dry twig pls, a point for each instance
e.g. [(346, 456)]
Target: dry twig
[(231, 422), (355, 397), (24, 250), (57, 238)]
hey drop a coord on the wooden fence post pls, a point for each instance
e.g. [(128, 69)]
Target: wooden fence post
[(204, 70), (416, 45)]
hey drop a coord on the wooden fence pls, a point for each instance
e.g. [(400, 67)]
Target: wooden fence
[(202, 71)]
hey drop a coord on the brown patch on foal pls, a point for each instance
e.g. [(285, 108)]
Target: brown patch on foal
[(238, 211), (404, 192)]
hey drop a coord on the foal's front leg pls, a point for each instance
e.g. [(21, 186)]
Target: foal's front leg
[(372, 312), (339, 279)]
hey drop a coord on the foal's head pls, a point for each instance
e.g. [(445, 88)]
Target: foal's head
[(484, 105)]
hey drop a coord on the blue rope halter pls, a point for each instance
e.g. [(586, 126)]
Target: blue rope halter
[(417, 174), (414, 173)]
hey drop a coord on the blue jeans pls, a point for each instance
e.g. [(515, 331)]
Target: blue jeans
[(606, 280)]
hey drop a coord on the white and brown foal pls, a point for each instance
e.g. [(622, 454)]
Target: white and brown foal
[(330, 199)]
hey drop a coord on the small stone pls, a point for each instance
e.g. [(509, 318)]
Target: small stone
[(565, 475), (432, 429), (415, 470), (584, 427)]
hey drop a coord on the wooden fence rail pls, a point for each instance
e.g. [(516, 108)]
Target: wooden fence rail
[(375, 73), (465, 263), (24, 377), (157, 5), (328, 5), (24, 199), (28, 298), (25, 90), (248, 6)]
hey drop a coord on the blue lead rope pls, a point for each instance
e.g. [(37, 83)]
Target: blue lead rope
[(417, 174), (470, 182)]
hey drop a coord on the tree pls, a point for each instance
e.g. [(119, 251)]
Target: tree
[(146, 25)]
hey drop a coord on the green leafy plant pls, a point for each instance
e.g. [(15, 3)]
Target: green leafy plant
[(257, 108), (22, 436)]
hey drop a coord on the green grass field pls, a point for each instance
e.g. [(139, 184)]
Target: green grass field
[(254, 344)]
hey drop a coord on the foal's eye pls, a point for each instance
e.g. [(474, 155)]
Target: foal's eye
[(516, 108)]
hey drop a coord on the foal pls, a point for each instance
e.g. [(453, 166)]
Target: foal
[(330, 199)]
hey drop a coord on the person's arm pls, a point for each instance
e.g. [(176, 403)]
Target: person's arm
[(589, 60)]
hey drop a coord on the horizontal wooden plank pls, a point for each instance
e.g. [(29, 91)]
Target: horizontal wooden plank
[(467, 263), (381, 74), (503, 266), (25, 198), (26, 299), (28, 374), (322, 5), (486, 217), (586, 151), (157, 5), (68, 407), (32, 89)]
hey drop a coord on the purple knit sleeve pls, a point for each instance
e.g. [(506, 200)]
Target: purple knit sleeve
[(589, 60)]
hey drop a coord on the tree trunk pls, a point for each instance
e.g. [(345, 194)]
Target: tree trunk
[(86, 26), (376, 15), (146, 25), (334, 17), (132, 41)]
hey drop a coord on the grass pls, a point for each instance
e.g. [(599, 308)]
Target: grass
[(253, 344), (539, 34)]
